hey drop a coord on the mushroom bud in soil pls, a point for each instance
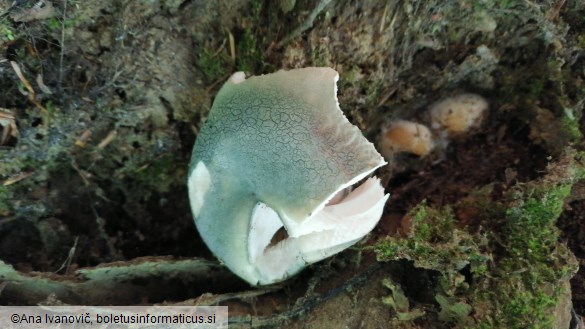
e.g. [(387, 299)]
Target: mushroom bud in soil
[(406, 136), (458, 114)]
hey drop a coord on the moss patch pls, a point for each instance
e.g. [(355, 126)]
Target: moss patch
[(513, 277)]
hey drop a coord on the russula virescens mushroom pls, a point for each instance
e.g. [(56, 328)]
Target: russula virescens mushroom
[(276, 151)]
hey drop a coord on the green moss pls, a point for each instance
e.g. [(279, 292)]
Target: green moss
[(161, 174), (434, 243), (321, 55), (6, 32), (525, 282), (25, 174), (572, 127), (5, 201), (214, 64), (531, 221), (536, 87), (530, 310), (519, 270), (55, 24), (453, 310), (398, 301), (581, 40), (249, 56), (251, 44)]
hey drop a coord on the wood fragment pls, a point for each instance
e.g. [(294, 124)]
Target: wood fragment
[(8, 124), (106, 141), (28, 86), (17, 178), (42, 86), (67, 263), (232, 46), (82, 140)]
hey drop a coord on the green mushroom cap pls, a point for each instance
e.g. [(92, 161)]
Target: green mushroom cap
[(280, 141)]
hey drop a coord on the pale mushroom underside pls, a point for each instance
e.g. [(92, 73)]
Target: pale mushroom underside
[(329, 231)]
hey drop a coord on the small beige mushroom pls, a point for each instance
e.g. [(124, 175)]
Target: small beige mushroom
[(406, 136), (458, 114)]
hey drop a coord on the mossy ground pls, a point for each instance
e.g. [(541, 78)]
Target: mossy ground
[(511, 272), (469, 238)]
